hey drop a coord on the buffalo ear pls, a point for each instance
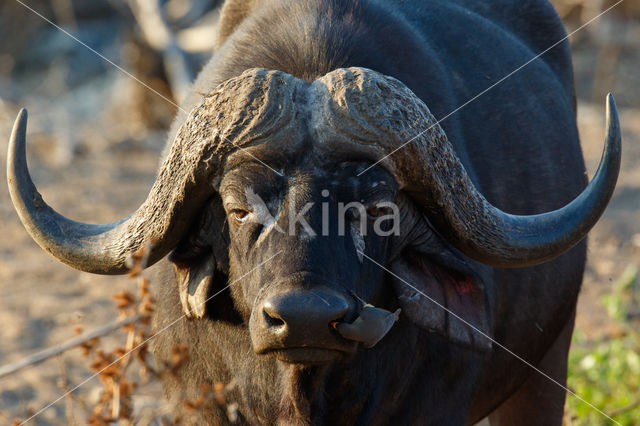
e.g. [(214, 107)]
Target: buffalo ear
[(194, 282), (199, 257), (428, 279)]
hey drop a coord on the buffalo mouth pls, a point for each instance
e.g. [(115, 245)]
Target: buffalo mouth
[(308, 355), (330, 348)]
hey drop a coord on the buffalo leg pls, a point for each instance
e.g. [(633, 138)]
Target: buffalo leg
[(539, 401)]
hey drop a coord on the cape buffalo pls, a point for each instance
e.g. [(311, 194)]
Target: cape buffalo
[(311, 198)]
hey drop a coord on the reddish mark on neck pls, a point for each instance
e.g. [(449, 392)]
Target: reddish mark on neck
[(464, 286)]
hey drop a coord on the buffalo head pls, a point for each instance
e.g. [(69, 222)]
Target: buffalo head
[(276, 184)]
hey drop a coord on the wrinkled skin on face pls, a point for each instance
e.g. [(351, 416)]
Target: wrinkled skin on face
[(311, 254), (290, 224), (302, 246)]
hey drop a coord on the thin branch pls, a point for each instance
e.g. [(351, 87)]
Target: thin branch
[(45, 354), (624, 409)]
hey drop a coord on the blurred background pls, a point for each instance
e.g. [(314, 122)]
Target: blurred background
[(96, 134)]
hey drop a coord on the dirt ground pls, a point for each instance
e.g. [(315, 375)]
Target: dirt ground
[(94, 159)]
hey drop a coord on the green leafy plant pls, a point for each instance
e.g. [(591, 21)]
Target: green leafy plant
[(606, 371)]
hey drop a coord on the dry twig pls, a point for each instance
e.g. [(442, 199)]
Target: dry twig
[(44, 355)]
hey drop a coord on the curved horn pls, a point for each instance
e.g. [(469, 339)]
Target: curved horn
[(496, 238), (379, 117), (101, 249), (242, 110)]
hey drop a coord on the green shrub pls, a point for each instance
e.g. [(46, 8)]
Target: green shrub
[(606, 372)]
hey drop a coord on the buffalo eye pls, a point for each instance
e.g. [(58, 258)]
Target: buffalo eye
[(376, 212), (240, 215)]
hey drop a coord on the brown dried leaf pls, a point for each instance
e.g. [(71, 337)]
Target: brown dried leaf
[(124, 299)]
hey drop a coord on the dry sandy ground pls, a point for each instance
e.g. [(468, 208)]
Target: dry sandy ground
[(98, 173)]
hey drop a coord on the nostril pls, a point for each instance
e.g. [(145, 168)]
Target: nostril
[(272, 321), (271, 315)]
